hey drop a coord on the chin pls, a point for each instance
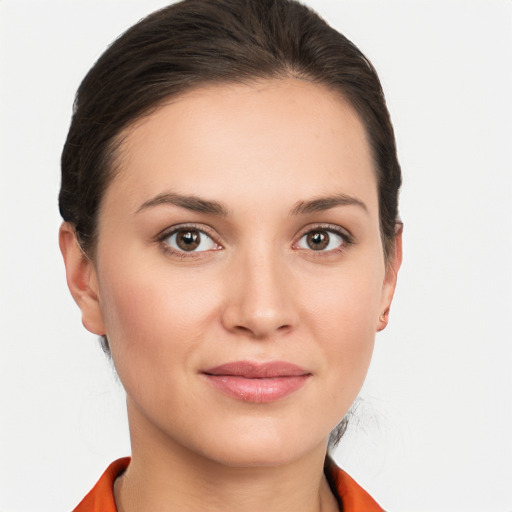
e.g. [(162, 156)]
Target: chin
[(264, 448), (263, 457)]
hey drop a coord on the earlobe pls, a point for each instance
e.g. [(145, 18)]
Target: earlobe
[(82, 280), (388, 288)]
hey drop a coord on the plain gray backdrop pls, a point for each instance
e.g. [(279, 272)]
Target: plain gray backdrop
[(433, 430)]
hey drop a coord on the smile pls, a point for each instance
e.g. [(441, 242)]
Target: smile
[(257, 382)]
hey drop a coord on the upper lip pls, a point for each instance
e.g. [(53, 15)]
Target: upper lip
[(256, 370)]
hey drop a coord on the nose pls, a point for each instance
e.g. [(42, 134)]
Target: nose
[(260, 297)]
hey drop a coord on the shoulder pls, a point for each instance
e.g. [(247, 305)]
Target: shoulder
[(101, 496), (352, 496)]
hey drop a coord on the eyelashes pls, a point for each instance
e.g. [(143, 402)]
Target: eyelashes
[(188, 240), (324, 239), (193, 240)]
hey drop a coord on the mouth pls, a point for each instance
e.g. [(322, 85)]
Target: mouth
[(257, 382)]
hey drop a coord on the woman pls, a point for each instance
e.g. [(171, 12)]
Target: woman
[(229, 196)]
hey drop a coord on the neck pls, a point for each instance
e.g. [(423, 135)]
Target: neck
[(165, 477)]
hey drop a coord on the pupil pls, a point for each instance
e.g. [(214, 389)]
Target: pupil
[(187, 240), (318, 240)]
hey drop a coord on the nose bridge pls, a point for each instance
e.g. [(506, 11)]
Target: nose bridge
[(260, 300)]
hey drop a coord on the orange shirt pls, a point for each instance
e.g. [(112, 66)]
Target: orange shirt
[(101, 497)]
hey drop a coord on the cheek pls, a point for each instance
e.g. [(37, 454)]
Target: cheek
[(342, 317), (156, 323), (153, 314), (346, 301)]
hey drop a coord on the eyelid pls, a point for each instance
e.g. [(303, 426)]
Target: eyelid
[(339, 230), (169, 231)]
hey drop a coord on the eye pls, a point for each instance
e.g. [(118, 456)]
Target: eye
[(190, 240), (322, 240)]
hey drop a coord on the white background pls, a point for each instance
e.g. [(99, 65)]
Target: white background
[(434, 432)]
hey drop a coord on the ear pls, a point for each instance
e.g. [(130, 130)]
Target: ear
[(389, 285), (82, 279)]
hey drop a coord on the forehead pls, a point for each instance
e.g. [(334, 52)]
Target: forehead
[(264, 137)]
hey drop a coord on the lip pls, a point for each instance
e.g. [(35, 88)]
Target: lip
[(257, 382)]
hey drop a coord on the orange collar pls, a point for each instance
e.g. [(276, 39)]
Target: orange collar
[(101, 497)]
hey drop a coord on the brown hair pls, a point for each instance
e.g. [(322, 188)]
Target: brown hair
[(197, 42)]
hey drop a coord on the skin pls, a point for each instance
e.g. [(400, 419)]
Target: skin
[(255, 290)]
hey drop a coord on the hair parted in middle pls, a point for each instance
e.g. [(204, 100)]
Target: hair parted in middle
[(198, 42), (195, 43)]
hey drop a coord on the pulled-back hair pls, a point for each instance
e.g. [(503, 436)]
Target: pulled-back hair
[(199, 42)]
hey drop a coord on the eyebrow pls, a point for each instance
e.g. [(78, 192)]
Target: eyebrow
[(196, 204), (192, 203), (326, 203)]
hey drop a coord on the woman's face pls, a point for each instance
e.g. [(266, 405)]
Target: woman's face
[(239, 272)]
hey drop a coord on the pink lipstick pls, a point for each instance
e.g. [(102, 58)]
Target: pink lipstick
[(257, 382)]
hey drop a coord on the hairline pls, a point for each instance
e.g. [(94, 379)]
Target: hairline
[(114, 156)]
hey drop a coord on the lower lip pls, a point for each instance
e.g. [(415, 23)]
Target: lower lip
[(260, 390)]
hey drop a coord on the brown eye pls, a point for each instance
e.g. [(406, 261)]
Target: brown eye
[(317, 240), (321, 240), (190, 240)]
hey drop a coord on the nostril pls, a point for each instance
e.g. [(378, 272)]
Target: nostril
[(242, 328)]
